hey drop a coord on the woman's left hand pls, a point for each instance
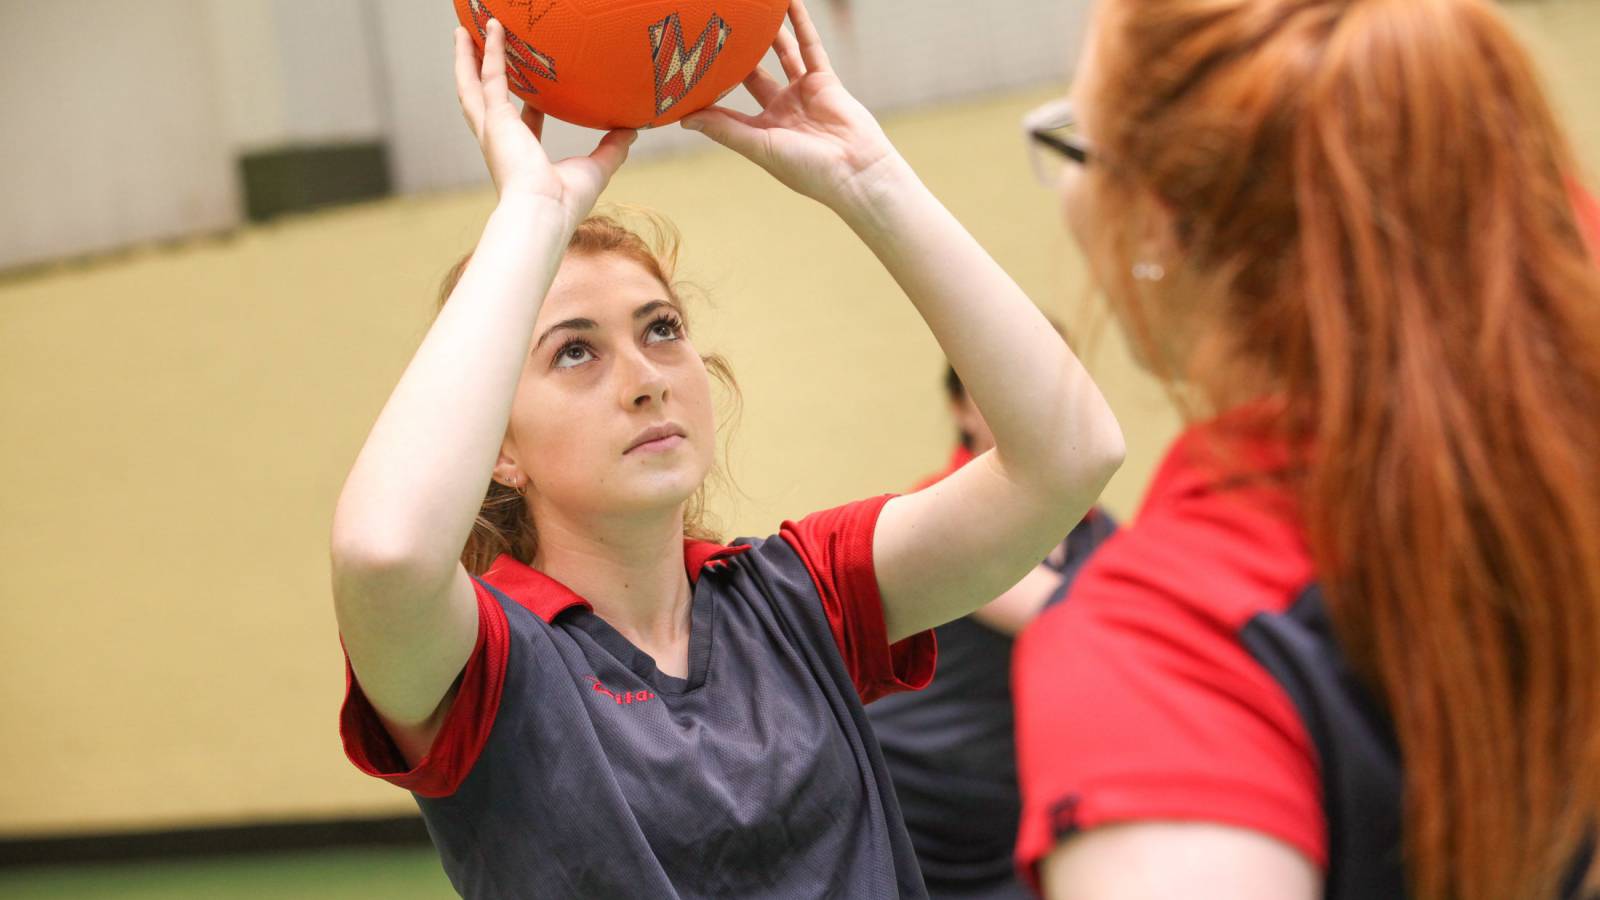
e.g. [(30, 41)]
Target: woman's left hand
[(811, 134)]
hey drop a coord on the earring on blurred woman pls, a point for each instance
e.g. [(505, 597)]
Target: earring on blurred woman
[(1148, 272)]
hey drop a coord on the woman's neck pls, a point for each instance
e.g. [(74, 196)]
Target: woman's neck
[(631, 572)]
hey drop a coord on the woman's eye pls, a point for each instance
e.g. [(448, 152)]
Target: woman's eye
[(662, 331), (572, 355)]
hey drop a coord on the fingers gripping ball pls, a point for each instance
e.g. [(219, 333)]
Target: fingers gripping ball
[(626, 63)]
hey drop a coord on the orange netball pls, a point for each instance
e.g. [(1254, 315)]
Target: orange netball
[(626, 63)]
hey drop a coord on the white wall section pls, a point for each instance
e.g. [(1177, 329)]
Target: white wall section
[(111, 126), (124, 121)]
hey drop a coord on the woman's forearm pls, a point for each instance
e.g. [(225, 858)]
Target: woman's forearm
[(415, 489), (1051, 425)]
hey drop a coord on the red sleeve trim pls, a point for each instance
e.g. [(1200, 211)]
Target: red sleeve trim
[(466, 727), (836, 547), (1163, 797)]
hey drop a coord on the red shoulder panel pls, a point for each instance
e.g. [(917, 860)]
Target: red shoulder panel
[(836, 547)]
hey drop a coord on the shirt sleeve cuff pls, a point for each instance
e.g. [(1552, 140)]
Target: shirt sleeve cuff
[(466, 727), (1047, 822), (836, 547)]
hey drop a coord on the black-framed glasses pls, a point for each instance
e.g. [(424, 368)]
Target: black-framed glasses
[(1054, 140)]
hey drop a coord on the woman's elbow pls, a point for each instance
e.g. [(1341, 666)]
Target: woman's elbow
[(1090, 458), (1110, 452), (371, 555)]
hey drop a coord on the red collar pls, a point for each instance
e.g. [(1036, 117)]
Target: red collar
[(1235, 451), (547, 598), (699, 554)]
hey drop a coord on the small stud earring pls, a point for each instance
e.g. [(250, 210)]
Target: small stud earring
[(1148, 272)]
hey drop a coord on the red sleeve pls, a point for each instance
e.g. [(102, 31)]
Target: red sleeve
[(466, 726), (836, 547), (1133, 705)]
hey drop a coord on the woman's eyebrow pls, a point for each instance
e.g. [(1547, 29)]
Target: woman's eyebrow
[(569, 324), (654, 305)]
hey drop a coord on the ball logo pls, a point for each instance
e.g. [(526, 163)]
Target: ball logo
[(626, 698), (679, 68), (523, 62)]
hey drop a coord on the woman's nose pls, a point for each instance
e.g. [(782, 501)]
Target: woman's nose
[(642, 382)]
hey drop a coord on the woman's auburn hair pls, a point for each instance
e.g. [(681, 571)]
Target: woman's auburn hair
[(504, 524), (1385, 193)]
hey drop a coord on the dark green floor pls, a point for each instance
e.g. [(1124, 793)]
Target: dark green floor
[(404, 874)]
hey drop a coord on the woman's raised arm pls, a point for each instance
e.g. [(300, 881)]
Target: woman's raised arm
[(943, 551), (405, 605)]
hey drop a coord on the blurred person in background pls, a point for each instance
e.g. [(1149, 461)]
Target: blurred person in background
[(588, 697), (950, 746), (1348, 647)]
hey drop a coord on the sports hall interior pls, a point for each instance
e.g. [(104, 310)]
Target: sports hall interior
[(193, 344)]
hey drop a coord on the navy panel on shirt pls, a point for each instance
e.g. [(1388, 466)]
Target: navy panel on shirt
[(1357, 751), (1358, 756), (755, 776)]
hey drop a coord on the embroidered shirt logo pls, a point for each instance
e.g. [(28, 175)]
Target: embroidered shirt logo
[(626, 698)]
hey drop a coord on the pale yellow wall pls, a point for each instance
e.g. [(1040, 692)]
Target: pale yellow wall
[(177, 424)]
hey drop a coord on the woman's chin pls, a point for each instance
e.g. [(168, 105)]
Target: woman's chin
[(666, 488)]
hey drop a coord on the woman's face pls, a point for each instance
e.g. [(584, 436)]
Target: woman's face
[(1092, 210), (613, 415)]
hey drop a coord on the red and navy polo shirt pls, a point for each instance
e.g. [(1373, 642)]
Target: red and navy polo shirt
[(1193, 674), (570, 766), (1138, 697)]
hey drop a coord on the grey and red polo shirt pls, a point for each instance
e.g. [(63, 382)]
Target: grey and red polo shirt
[(569, 766)]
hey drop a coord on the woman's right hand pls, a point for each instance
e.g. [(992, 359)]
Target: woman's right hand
[(510, 142)]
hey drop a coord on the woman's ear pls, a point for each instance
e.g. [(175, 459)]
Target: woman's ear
[(507, 470), (1155, 240)]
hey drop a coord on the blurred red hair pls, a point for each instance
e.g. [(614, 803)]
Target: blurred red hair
[(1384, 191)]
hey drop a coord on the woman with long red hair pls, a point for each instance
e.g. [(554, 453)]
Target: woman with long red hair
[(1350, 646)]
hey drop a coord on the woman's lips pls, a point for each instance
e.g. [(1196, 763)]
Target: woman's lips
[(659, 445)]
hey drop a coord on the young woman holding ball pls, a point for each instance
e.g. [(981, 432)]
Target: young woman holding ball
[(609, 708)]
